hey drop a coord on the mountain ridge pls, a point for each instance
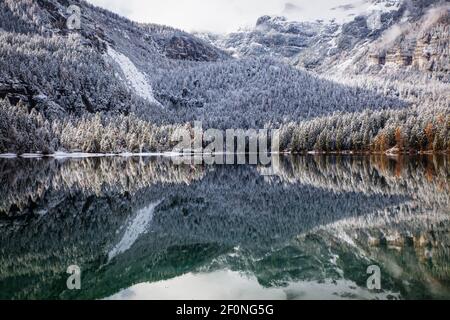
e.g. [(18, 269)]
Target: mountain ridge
[(55, 80), (317, 45)]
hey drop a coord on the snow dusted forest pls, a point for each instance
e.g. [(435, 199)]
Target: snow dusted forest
[(362, 108), (119, 86), (317, 208)]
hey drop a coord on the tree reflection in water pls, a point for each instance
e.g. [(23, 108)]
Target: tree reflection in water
[(317, 220)]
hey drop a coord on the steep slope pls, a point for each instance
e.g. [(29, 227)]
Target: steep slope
[(395, 48), (408, 32), (420, 46), (288, 38), (160, 75), (42, 57), (58, 71)]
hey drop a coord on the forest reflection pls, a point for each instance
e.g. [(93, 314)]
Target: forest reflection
[(315, 218)]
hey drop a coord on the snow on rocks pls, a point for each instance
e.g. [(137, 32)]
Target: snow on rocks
[(136, 79), (8, 155), (134, 230)]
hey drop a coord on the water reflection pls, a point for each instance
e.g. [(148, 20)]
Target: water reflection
[(309, 231), (229, 285)]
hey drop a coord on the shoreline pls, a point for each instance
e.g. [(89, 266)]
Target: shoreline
[(84, 155)]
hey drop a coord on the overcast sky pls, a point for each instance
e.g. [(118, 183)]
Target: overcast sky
[(219, 15)]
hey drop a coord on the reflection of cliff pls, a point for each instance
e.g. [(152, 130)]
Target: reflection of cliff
[(413, 255), (409, 240), (230, 218), (424, 178)]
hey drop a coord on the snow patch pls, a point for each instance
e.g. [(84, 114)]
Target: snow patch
[(341, 234), (134, 77), (126, 154), (8, 155), (31, 155), (75, 155), (134, 230), (385, 6), (347, 12), (82, 155), (78, 155)]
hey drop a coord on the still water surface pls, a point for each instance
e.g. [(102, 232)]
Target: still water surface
[(146, 228)]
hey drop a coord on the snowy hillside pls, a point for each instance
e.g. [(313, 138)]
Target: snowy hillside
[(57, 83), (355, 29), (133, 76)]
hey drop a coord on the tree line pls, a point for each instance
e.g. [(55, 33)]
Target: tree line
[(410, 130)]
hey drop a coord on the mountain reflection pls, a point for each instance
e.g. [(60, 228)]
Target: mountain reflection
[(127, 221)]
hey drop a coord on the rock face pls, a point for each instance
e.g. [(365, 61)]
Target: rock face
[(399, 57), (276, 37), (100, 27), (432, 51), (95, 88), (424, 46), (16, 92), (377, 59), (421, 41), (311, 45), (183, 47)]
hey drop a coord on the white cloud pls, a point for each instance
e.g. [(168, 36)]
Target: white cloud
[(219, 15)]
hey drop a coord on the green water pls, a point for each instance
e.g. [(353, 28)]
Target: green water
[(146, 228)]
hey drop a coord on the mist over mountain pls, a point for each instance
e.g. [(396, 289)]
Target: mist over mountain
[(382, 26)]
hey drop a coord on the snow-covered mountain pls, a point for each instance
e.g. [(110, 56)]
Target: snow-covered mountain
[(53, 80), (102, 33), (367, 31), (113, 64)]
